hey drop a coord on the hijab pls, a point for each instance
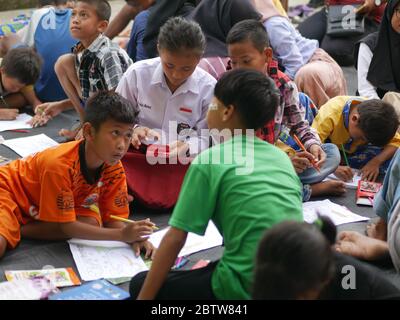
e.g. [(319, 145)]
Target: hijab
[(384, 70), (217, 17)]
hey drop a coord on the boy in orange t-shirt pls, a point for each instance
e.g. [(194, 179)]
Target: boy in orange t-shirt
[(72, 189)]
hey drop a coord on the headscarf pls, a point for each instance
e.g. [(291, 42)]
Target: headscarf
[(384, 70), (217, 17)]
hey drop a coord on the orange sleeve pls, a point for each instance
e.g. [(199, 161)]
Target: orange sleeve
[(114, 198), (56, 198)]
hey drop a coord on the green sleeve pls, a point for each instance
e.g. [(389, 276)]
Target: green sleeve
[(197, 201)]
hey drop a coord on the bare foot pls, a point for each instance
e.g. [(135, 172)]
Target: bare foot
[(331, 188), (357, 245), (377, 230), (8, 114)]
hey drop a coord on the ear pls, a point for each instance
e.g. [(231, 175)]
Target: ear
[(102, 26), (228, 112), (88, 131), (268, 55), (355, 117)]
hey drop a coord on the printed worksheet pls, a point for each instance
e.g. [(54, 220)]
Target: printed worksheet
[(339, 214), (107, 261), (353, 184), (194, 243), (30, 145), (19, 123)]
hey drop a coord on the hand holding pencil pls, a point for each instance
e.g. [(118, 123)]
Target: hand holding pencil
[(135, 230), (313, 162)]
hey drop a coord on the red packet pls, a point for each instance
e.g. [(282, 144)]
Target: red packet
[(200, 264)]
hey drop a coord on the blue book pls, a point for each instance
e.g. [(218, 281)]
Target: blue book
[(94, 290)]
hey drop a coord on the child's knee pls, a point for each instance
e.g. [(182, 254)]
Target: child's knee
[(64, 63)]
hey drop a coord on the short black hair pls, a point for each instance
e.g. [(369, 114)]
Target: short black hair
[(252, 93), (106, 105), (178, 33), (23, 64), (42, 3), (103, 8), (249, 30), (293, 258), (378, 121)]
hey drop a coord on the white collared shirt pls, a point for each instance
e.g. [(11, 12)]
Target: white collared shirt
[(144, 84)]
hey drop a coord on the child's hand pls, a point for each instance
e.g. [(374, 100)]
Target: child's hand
[(8, 114), (147, 246), (371, 170), (301, 161), (142, 134), (344, 173), (137, 231), (319, 155)]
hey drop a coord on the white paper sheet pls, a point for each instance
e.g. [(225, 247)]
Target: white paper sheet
[(107, 261), (19, 123), (29, 145), (194, 243), (353, 184), (339, 214)]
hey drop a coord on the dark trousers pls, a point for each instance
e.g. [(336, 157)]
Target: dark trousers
[(181, 285)]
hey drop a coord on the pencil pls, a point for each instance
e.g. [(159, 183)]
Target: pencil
[(304, 149), (344, 155), (19, 130), (127, 220)]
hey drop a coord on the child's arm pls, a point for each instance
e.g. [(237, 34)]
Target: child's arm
[(371, 170), (30, 96), (121, 20), (164, 259)]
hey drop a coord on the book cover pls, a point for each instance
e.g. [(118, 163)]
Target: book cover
[(366, 192), (61, 277), (35, 288), (94, 290)]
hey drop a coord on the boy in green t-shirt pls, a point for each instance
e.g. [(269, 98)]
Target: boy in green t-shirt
[(243, 194)]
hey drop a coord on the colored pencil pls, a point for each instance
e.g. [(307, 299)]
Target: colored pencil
[(304, 149), (127, 220), (345, 156)]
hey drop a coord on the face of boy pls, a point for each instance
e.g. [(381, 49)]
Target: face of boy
[(11, 85), (111, 141), (85, 25), (177, 67), (215, 114), (245, 55)]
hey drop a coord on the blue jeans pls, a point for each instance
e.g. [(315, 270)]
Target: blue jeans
[(310, 175), (135, 46), (388, 197)]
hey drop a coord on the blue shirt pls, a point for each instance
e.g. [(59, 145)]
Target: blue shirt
[(49, 33), (290, 48)]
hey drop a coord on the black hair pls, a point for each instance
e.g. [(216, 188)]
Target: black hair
[(178, 33), (252, 93), (23, 64), (103, 8), (249, 30), (378, 121), (106, 105), (293, 258), (42, 3)]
